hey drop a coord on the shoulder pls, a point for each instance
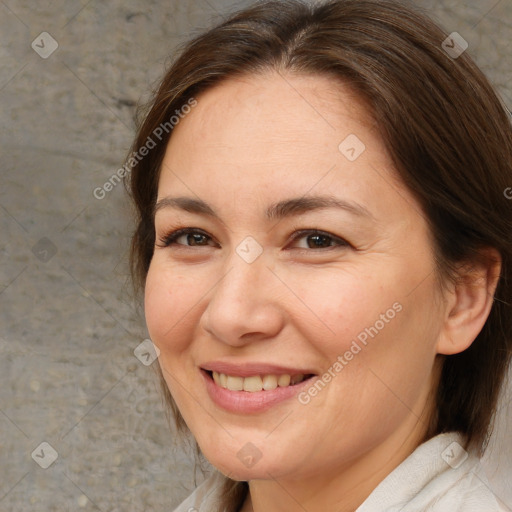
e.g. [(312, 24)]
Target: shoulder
[(204, 498), (438, 476)]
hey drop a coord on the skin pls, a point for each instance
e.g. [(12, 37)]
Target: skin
[(251, 142)]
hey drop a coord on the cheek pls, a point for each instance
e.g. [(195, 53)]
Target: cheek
[(169, 309), (372, 320), (168, 304), (338, 306)]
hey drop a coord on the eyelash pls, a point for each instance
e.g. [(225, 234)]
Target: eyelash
[(170, 238)]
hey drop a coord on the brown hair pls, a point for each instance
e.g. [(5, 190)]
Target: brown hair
[(446, 130)]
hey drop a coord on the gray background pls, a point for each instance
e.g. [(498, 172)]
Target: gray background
[(68, 323)]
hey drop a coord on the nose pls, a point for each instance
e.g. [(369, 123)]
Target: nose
[(243, 307)]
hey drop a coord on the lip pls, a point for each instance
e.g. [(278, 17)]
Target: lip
[(245, 402), (249, 369)]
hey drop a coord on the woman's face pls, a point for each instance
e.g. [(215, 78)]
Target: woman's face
[(277, 281)]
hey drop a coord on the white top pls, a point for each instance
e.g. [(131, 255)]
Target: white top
[(439, 476)]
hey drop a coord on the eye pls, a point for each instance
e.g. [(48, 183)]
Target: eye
[(315, 239), (188, 237)]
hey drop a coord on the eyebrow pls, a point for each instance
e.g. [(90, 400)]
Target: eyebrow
[(279, 210)]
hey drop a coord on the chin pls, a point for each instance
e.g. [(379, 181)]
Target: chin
[(245, 474), (247, 464)]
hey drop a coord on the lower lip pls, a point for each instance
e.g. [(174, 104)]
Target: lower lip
[(246, 402)]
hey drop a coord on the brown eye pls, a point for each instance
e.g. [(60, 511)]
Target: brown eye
[(193, 238), (188, 237), (313, 239), (318, 241)]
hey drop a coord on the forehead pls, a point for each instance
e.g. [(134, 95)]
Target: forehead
[(300, 109), (272, 135)]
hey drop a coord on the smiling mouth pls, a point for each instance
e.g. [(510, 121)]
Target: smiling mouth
[(255, 383)]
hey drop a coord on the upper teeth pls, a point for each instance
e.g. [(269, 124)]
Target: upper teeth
[(256, 382)]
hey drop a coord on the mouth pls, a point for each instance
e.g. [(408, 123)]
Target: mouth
[(258, 389), (257, 383)]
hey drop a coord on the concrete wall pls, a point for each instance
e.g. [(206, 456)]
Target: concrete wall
[(68, 327)]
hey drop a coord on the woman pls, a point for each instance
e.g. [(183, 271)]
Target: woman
[(324, 245)]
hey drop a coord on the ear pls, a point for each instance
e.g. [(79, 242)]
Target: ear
[(468, 302)]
